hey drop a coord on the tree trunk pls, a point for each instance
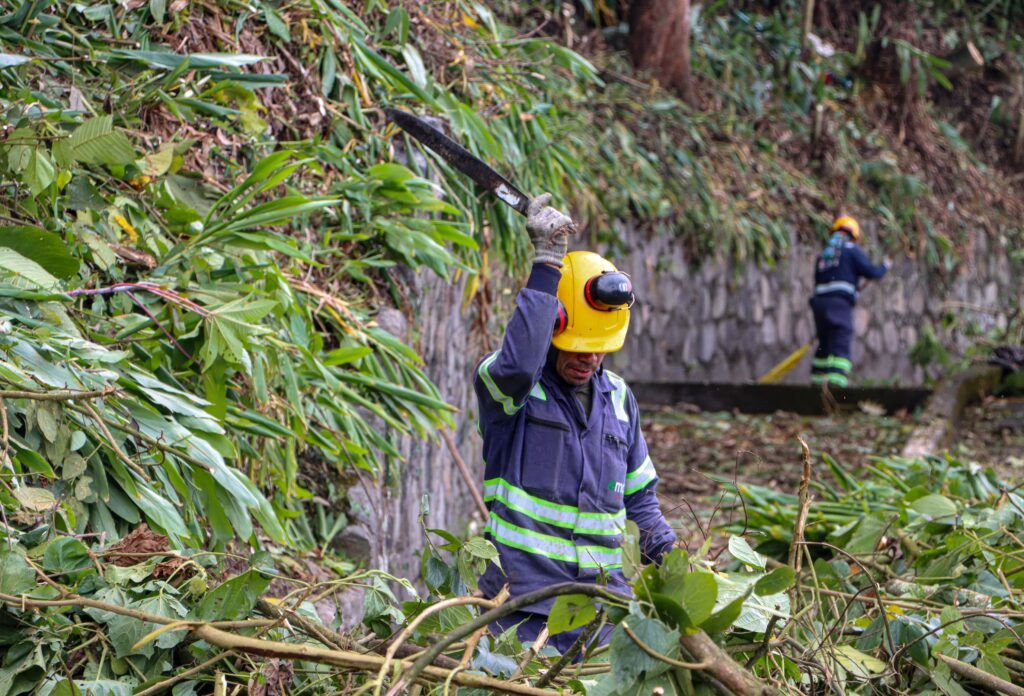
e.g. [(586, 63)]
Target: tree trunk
[(659, 41)]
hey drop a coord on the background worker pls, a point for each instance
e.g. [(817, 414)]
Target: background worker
[(566, 463), (837, 275)]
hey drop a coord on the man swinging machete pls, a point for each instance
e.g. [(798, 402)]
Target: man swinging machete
[(565, 462)]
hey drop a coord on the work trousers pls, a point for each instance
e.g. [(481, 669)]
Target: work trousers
[(833, 320), (529, 625)]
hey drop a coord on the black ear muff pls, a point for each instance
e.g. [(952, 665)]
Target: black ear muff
[(609, 291), (562, 320)]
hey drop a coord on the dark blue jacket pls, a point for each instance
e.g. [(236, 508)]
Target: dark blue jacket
[(559, 486), (841, 266)]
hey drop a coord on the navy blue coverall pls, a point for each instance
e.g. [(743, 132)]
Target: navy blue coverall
[(559, 483), (837, 275)]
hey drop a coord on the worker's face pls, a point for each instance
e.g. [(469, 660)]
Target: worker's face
[(577, 368)]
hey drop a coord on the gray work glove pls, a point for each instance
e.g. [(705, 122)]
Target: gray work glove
[(549, 231)]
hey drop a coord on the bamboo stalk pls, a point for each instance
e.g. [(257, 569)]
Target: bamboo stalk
[(808, 22)]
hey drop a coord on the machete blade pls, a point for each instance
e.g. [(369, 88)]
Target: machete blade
[(460, 158)]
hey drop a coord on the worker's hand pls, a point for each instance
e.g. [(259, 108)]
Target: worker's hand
[(887, 263), (549, 231)]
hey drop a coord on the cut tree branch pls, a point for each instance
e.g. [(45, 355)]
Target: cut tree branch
[(725, 670), (505, 609), (60, 394), (349, 660), (980, 677)]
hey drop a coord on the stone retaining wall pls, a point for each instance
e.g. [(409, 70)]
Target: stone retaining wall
[(725, 322)]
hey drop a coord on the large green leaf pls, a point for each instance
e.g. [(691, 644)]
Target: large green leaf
[(97, 142), (45, 248), (629, 660), (936, 507), (570, 612), (757, 610), (233, 599), (23, 272), (16, 576), (699, 594)]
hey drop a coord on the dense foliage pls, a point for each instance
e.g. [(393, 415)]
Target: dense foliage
[(203, 211)]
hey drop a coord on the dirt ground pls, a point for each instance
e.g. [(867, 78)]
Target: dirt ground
[(698, 455), (992, 433)]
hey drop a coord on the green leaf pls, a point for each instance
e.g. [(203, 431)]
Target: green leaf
[(700, 590), (414, 62), (65, 687), (865, 538), (9, 60), (629, 660), (275, 24), (124, 631), (479, 547), (157, 163), (16, 576), (779, 580), (390, 172), (994, 666), (757, 611), (724, 618), (45, 248), (346, 355), (937, 508), (671, 612), (858, 663), (741, 551), (39, 173), (569, 612), (66, 555), (31, 461), (97, 142), (35, 499), (166, 59), (24, 273), (234, 599)]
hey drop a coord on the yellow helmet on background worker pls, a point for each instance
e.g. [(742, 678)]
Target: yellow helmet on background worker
[(595, 299), (847, 224)]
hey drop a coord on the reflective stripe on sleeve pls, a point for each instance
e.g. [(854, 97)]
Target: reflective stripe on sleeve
[(636, 480), (567, 516), (506, 402)]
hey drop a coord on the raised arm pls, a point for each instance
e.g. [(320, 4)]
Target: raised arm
[(505, 377)]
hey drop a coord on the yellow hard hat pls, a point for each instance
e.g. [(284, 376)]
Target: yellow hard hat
[(848, 224), (595, 299)]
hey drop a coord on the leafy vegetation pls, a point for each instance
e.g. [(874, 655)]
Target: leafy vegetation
[(203, 214), (911, 571), (787, 136)]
